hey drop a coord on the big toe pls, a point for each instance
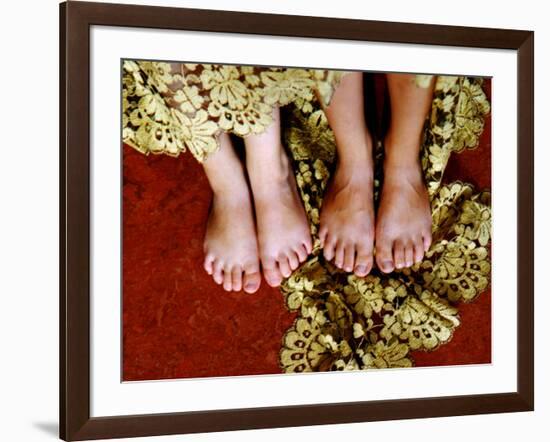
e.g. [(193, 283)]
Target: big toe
[(363, 264), (384, 258), (251, 281), (271, 271)]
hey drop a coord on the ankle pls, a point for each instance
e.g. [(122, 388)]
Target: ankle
[(355, 150), (400, 170), (268, 169), (230, 196), (402, 151)]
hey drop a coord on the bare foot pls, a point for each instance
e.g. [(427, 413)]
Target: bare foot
[(347, 218), (404, 220), (347, 215), (284, 237), (230, 243)]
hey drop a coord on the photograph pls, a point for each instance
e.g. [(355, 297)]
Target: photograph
[(285, 220)]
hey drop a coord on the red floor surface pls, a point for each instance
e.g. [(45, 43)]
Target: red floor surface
[(178, 323)]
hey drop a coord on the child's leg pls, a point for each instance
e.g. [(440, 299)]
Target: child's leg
[(230, 243), (347, 215), (403, 227), (284, 238)]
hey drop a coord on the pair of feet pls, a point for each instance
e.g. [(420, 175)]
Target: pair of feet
[(260, 221), (265, 222), (400, 233)]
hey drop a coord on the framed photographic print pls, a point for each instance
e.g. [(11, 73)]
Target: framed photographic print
[(276, 220)]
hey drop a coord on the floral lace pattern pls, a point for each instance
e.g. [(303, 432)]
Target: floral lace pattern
[(344, 322), (171, 107)]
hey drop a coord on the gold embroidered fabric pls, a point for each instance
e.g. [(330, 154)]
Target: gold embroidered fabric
[(171, 107), (344, 322)]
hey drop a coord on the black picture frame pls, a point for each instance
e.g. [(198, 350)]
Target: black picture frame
[(75, 21)]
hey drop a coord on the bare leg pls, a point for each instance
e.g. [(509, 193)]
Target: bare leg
[(284, 237), (347, 215), (230, 244), (403, 228)]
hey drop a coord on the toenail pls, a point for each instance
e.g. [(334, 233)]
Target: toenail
[(361, 269), (387, 264)]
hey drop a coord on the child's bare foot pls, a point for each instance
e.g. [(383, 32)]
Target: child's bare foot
[(230, 243), (347, 218), (404, 221), (347, 215), (284, 237)]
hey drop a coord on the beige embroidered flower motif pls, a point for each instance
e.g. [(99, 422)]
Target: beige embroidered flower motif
[(252, 119), (158, 74), (424, 322), (296, 355), (446, 206), (150, 107), (470, 117), (439, 156), (382, 355), (475, 222), (198, 133), (283, 87), (188, 99), (304, 281), (458, 269), (225, 87), (365, 295)]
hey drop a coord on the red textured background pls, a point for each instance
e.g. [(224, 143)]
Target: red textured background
[(178, 323)]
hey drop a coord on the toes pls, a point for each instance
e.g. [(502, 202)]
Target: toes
[(227, 279), (427, 239), (399, 255), (237, 279), (271, 271), (209, 264), (252, 282), (349, 258), (323, 232), (409, 254), (384, 257), (363, 263), (339, 256), (418, 251), (252, 278), (284, 266), (217, 272), (293, 260), (329, 248), (363, 266), (308, 244), (301, 253), (273, 277)]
